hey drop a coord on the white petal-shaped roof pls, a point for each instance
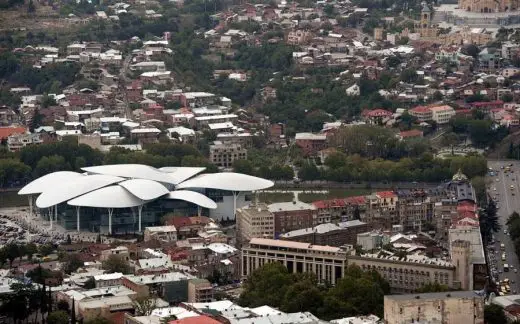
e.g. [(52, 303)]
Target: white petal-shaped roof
[(180, 174), (227, 181), (61, 192), (134, 171), (48, 181), (144, 189), (108, 197), (193, 197)]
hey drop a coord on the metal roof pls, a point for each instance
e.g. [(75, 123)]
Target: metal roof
[(108, 197), (180, 174), (227, 181), (49, 180), (193, 197), (144, 189), (134, 171), (62, 192)]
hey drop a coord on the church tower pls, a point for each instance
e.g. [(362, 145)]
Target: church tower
[(426, 15)]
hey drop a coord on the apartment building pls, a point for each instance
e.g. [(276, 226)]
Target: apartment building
[(290, 216), (223, 155), (422, 113), (200, 291), (254, 221), (415, 209), (162, 233), (108, 279), (120, 251), (310, 143), (407, 274), (344, 233), (382, 210), (442, 114), (372, 240), (443, 307), (170, 286), (16, 142), (327, 262), (340, 209)]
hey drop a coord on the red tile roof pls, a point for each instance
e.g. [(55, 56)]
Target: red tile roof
[(5, 132), (421, 109), (376, 113), (386, 194), (356, 200), (411, 133), (202, 319)]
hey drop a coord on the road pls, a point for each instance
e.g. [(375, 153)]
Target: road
[(508, 202)]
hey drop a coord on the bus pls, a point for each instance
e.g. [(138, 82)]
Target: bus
[(506, 267)]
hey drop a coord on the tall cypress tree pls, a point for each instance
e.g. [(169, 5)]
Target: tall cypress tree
[(73, 313), (50, 301)]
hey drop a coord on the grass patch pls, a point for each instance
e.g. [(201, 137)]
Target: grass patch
[(309, 197)]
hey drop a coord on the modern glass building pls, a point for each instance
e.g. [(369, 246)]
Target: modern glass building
[(128, 197)]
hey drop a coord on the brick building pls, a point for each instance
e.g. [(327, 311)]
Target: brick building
[(290, 216), (329, 234)]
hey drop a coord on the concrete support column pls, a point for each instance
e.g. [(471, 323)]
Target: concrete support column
[(77, 218), (235, 195), (110, 211), (30, 206), (140, 210)]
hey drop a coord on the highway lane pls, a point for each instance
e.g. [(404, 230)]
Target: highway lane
[(508, 202)]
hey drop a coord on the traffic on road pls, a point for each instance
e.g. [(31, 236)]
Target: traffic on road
[(504, 190)]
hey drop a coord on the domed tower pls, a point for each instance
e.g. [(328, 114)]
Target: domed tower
[(426, 15)]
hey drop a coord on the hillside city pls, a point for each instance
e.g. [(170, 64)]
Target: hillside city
[(259, 162)]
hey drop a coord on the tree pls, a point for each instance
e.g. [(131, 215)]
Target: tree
[(266, 286), (30, 7), (471, 50), (243, 166), (46, 249), (12, 251), (97, 320), (494, 314), (90, 283), (62, 305), (507, 97), (58, 317), (488, 220), (144, 305), (72, 263), (115, 263), (19, 304), (309, 172), (30, 250)]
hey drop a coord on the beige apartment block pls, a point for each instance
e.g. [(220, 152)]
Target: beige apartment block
[(455, 307)]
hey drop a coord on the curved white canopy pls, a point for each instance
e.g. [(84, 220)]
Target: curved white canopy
[(180, 174), (108, 197), (134, 171), (144, 189), (193, 197), (48, 181), (61, 192), (227, 181)]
